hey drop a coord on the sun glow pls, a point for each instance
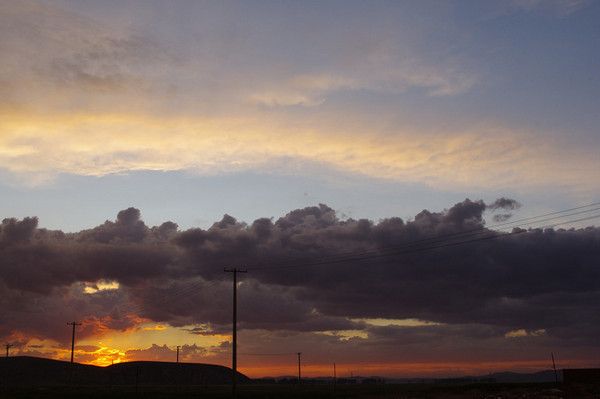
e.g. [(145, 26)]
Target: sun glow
[(397, 322), (105, 356)]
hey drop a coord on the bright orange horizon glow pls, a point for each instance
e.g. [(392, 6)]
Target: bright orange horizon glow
[(104, 355), (404, 369), (106, 347)]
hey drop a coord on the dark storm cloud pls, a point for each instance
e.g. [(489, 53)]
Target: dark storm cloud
[(13, 230), (502, 217), (537, 280), (505, 203)]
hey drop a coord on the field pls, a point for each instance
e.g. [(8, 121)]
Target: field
[(398, 391), (28, 377)]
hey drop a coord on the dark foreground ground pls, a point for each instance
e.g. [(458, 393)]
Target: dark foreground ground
[(404, 391), (28, 377)]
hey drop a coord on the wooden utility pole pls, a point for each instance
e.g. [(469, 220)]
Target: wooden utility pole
[(8, 346), (235, 271), (554, 367), (178, 353), (334, 372), (74, 324), (299, 372), (334, 378)]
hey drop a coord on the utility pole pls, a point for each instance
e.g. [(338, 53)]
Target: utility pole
[(74, 324), (235, 271), (554, 367), (334, 377), (334, 373), (178, 353), (8, 346), (299, 373)]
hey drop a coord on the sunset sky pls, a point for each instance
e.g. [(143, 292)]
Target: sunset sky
[(146, 145)]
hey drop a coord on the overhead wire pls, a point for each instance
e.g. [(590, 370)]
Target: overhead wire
[(190, 290), (425, 244), (478, 230)]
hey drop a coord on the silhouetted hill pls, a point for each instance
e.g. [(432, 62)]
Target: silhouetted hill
[(25, 370), (33, 371), (164, 373)]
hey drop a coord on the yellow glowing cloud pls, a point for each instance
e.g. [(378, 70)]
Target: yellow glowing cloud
[(101, 285), (524, 333), (96, 145), (155, 327), (398, 322), (345, 335)]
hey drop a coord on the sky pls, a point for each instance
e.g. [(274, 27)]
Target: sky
[(145, 145)]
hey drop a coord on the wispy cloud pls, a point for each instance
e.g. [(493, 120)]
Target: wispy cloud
[(558, 7), (313, 90), (61, 61), (82, 99), (96, 145)]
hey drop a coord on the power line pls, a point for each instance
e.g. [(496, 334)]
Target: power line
[(428, 244), (411, 247), (268, 354), (478, 230), (192, 290), (189, 291), (406, 249)]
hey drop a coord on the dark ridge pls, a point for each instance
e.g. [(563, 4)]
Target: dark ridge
[(540, 376), (34, 371), (165, 373)]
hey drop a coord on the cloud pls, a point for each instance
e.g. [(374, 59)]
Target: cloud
[(505, 204), (476, 294), (81, 97), (88, 98), (89, 65), (524, 333), (154, 353), (491, 157), (561, 8), (14, 230), (162, 353), (313, 90)]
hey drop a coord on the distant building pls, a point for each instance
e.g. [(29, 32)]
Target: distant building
[(581, 376)]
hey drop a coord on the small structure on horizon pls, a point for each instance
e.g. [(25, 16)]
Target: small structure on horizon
[(582, 376)]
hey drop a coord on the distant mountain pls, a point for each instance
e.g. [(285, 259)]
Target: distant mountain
[(540, 376), (500, 377), (33, 371)]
